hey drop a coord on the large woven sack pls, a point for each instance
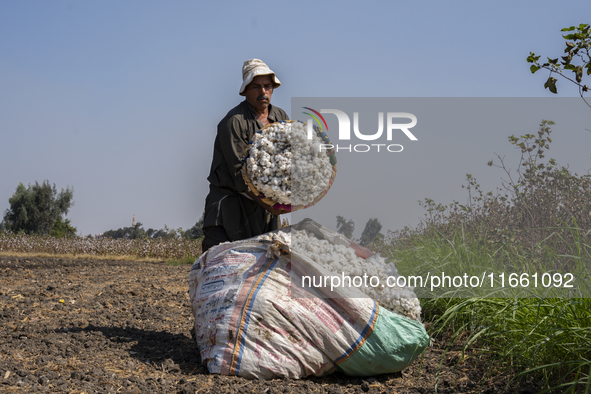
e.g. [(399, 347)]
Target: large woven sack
[(252, 320)]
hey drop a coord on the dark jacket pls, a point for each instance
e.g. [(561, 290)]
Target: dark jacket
[(224, 206)]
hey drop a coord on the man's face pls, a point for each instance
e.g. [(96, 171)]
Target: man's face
[(258, 92)]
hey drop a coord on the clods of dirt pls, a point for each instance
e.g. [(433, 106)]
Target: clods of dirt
[(102, 326)]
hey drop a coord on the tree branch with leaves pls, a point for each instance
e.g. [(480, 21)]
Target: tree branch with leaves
[(577, 60)]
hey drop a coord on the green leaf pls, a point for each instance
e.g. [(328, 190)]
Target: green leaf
[(569, 37), (534, 68), (553, 61), (570, 67), (551, 84), (532, 58), (569, 28)]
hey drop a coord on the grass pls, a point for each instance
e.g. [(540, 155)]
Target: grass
[(188, 259), (526, 334)]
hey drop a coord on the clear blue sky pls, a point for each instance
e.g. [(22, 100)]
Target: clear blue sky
[(120, 100)]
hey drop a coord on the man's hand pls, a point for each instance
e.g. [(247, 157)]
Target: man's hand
[(267, 207), (277, 211)]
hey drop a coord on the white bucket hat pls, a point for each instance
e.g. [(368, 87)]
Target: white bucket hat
[(255, 67)]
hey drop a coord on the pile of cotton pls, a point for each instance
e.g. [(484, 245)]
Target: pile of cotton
[(286, 166), (339, 259)]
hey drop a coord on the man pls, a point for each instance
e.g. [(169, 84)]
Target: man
[(232, 212)]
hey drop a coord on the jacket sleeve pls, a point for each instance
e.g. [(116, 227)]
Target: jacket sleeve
[(234, 146)]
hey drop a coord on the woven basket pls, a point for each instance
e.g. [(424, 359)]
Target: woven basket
[(285, 207)]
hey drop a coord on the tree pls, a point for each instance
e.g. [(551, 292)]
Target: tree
[(132, 232), (345, 227), (577, 59), (196, 231), (371, 232), (165, 233), (36, 209), (63, 228)]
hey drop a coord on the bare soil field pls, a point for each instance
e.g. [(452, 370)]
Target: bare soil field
[(106, 326)]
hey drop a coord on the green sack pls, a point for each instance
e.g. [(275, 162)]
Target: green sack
[(394, 344)]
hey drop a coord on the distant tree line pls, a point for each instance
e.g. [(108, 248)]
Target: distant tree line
[(138, 231), (40, 209)]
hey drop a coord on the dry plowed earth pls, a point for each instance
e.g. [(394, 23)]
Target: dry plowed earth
[(101, 326)]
